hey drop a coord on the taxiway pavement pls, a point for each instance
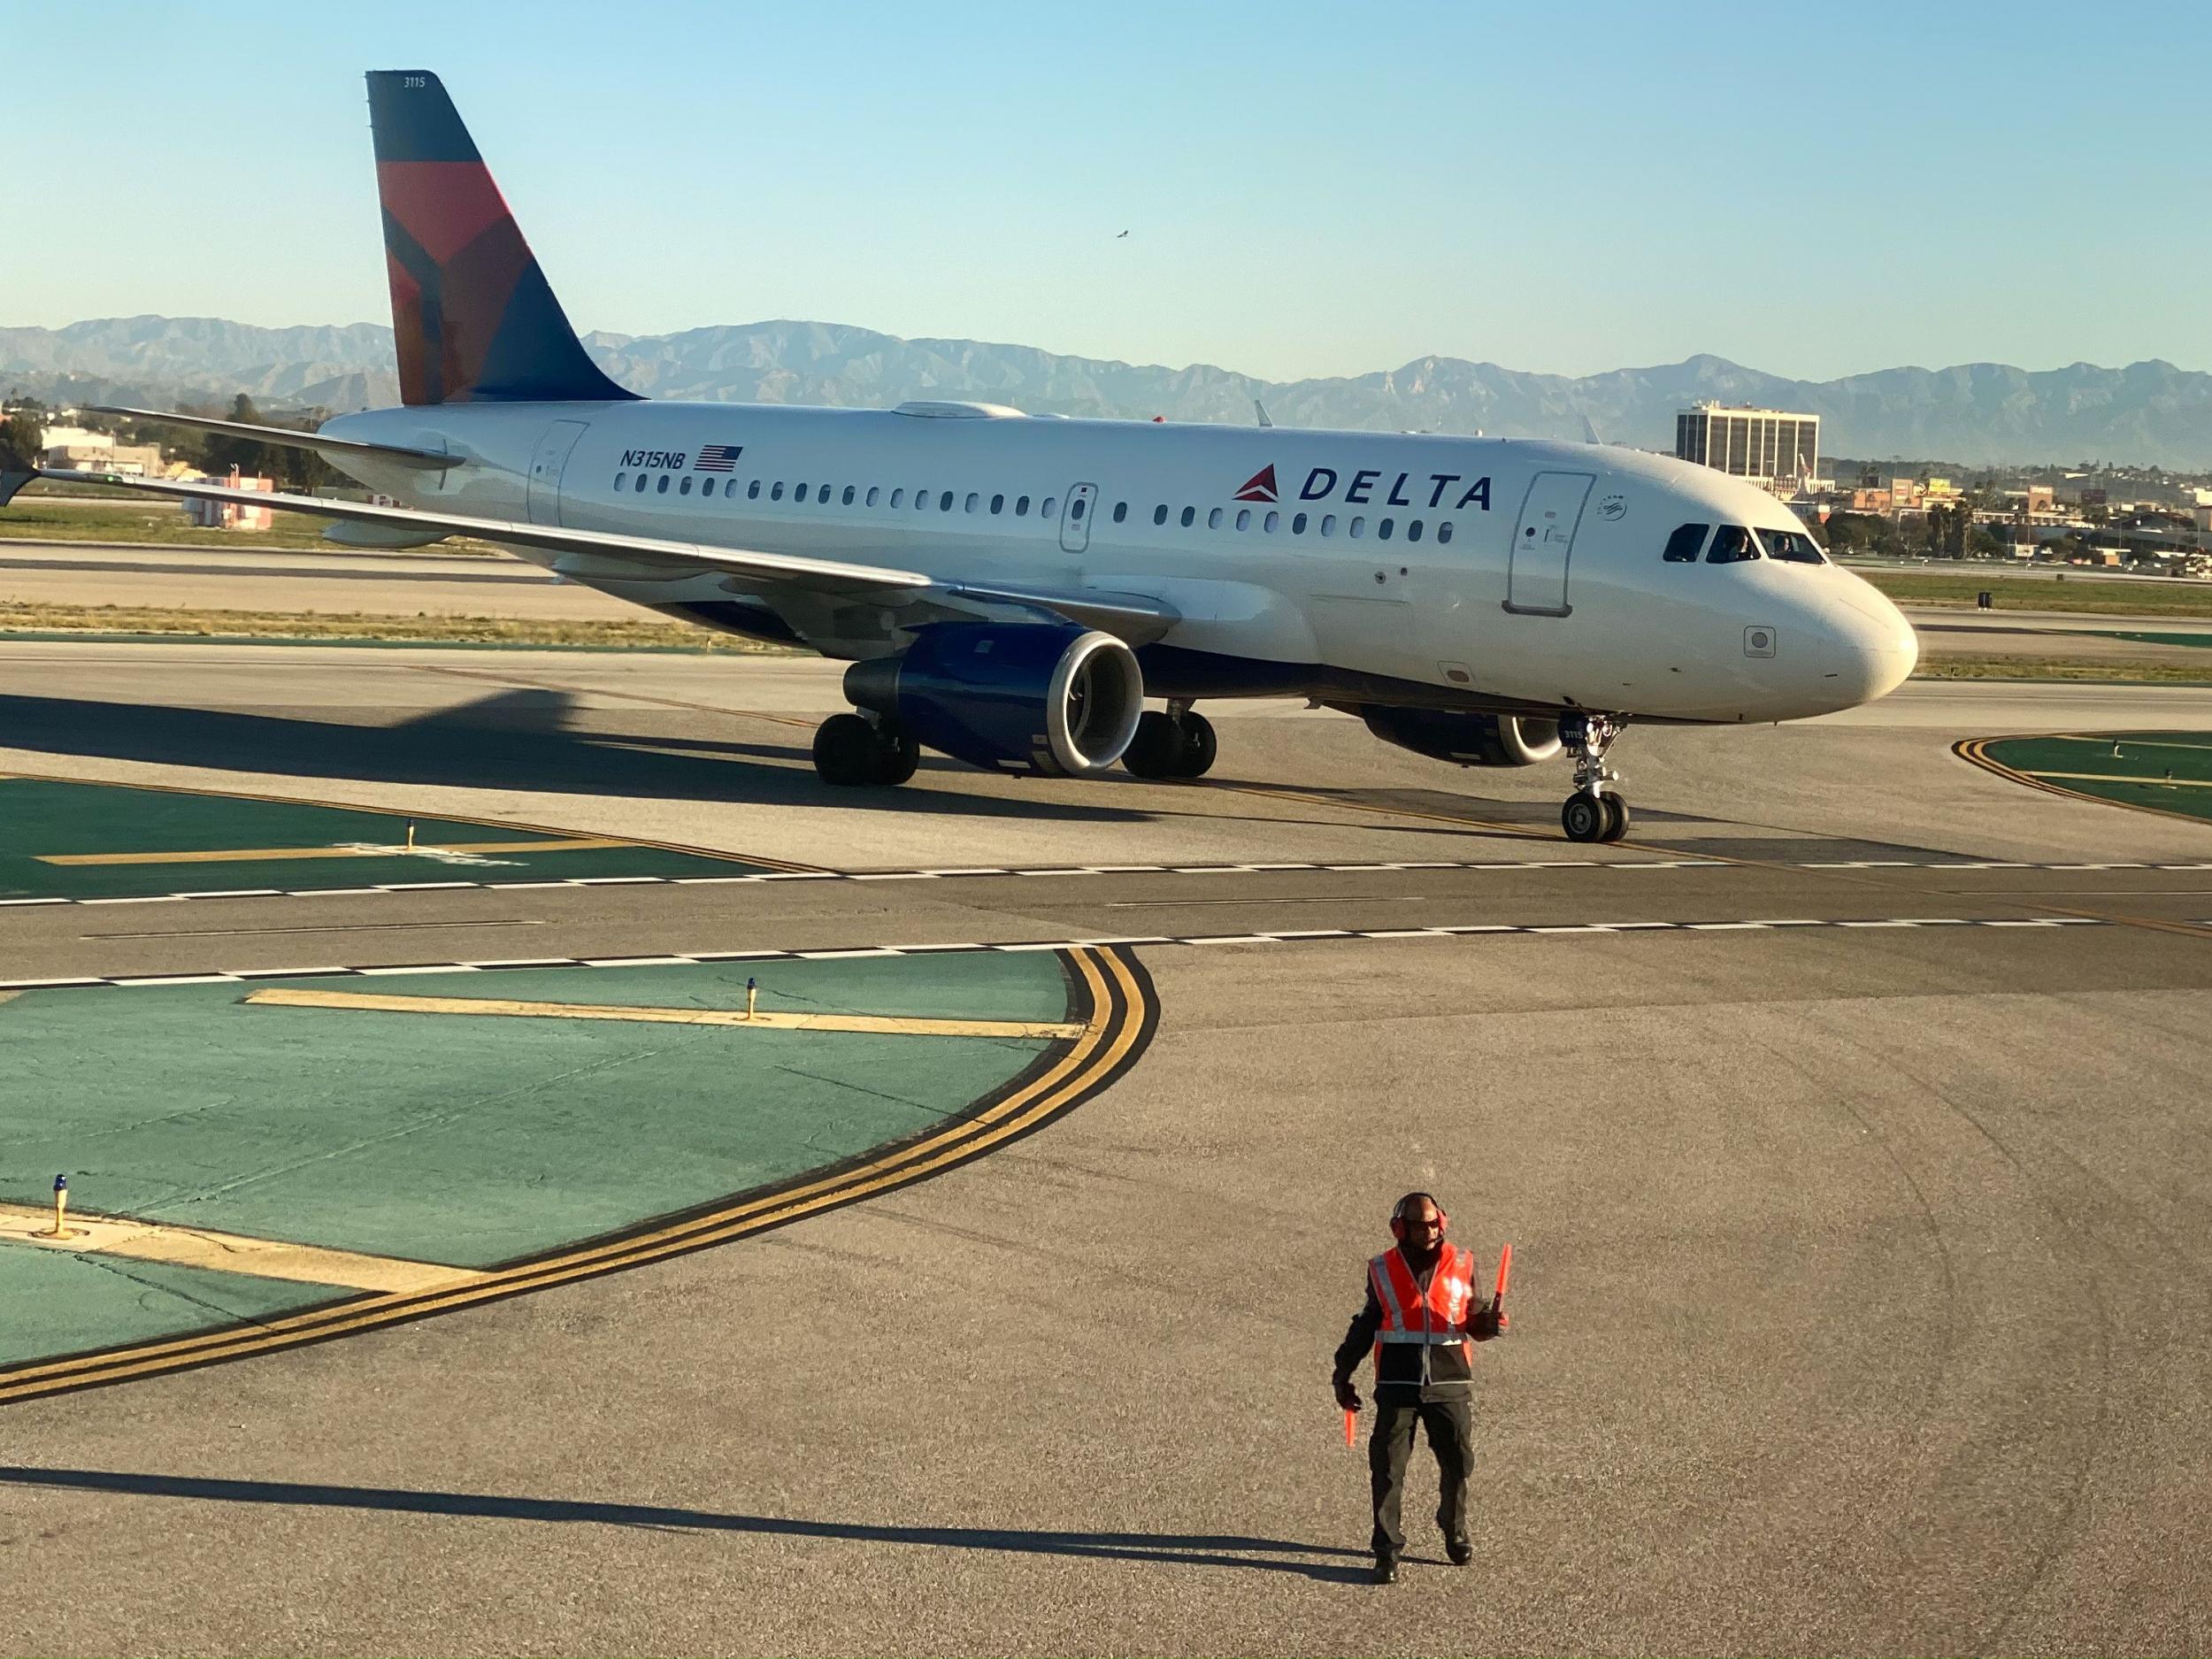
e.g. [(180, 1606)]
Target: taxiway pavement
[(1858, 1211)]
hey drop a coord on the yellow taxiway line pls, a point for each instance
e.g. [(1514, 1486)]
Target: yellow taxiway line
[(228, 1252), (881, 1025), (2108, 777), (241, 855)]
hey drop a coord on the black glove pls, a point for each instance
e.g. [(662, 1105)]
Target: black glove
[(1347, 1395), (1489, 1321)]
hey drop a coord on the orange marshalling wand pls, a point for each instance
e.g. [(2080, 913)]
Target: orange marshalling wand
[(1349, 1414), (1505, 1270)]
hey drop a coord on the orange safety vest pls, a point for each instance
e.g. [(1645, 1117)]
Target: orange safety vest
[(1434, 1320)]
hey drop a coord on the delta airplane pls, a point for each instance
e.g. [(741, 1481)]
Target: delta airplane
[(1010, 590)]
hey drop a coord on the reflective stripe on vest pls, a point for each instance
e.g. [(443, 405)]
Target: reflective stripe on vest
[(1410, 1316)]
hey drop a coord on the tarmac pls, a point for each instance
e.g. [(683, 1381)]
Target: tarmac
[(1847, 1123)]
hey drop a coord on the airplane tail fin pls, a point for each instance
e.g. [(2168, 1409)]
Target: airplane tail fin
[(475, 317)]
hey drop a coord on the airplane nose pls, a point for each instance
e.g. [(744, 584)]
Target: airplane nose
[(1877, 645)]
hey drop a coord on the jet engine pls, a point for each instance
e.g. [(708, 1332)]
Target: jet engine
[(1059, 700), (1467, 739)]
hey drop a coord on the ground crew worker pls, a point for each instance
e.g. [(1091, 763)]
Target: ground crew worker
[(1421, 1319)]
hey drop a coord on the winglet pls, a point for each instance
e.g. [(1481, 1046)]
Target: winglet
[(16, 469)]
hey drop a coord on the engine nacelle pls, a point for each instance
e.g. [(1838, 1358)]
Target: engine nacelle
[(1467, 739), (1041, 697)]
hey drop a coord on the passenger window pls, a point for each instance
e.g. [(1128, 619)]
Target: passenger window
[(874, 491), (1298, 525), (1044, 507), (621, 479), (1328, 524), (639, 484), (661, 488), (921, 501), (1356, 528), (1159, 513), (1121, 511), (1792, 547), (1382, 529), (1189, 513), (974, 500), (1444, 531), (998, 504), (1244, 518), (898, 498), (706, 486), (775, 491), (849, 493), (1076, 507), (1021, 506), (1683, 545), (752, 490), (1273, 519), (944, 502), (684, 488), (1413, 530), (1213, 520), (1732, 544)]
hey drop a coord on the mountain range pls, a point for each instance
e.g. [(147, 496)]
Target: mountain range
[(2149, 413)]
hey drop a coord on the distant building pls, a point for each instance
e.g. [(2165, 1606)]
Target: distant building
[(73, 449), (223, 515), (1765, 444)]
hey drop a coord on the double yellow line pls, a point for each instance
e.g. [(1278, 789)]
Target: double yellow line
[(1113, 1002), (1976, 750)]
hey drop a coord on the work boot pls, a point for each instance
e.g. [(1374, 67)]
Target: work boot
[(1460, 1550), (1386, 1570)]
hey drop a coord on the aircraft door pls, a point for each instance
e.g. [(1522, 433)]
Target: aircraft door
[(1075, 518), (1543, 541), (546, 465)]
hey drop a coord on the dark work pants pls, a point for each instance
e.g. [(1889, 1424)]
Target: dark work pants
[(1451, 1428)]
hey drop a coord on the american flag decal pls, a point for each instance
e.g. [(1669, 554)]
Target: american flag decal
[(717, 458)]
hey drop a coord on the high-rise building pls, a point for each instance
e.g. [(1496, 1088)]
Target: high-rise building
[(1757, 443)]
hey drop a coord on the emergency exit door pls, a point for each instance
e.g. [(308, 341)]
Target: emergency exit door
[(1543, 544), (546, 467), (1075, 518)]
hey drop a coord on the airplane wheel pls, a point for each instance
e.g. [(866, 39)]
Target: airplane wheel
[(897, 756), (1617, 819), (1583, 817), (846, 752), (1156, 748), (1199, 747)]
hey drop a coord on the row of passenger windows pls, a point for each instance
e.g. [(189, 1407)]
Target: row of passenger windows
[(1272, 523), (1732, 543), (757, 490)]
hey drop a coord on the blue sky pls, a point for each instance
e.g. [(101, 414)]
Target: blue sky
[(1308, 189)]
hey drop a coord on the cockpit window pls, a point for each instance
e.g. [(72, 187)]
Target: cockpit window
[(1682, 546), (1731, 543), (1792, 547)]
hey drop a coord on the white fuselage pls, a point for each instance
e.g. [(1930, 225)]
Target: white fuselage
[(1475, 572)]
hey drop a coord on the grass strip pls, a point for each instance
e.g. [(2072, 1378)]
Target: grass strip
[(155, 622), (2091, 597), (2107, 671)]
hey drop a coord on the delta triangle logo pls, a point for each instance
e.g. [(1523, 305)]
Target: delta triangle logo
[(1259, 485)]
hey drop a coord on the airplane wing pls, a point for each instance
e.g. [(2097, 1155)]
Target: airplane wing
[(336, 449), (589, 554)]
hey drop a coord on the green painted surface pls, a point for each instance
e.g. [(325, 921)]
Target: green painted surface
[(2203, 642), (2136, 776), (471, 1140), (38, 818), (58, 1303)]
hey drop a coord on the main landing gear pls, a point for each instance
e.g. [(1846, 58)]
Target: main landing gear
[(1177, 744), (853, 749), (1592, 812)]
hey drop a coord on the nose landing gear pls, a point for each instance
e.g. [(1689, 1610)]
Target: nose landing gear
[(1592, 812)]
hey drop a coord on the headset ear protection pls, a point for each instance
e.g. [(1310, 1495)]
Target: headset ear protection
[(1398, 1216)]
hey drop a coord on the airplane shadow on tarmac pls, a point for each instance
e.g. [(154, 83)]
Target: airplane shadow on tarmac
[(1199, 1550), (526, 740)]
